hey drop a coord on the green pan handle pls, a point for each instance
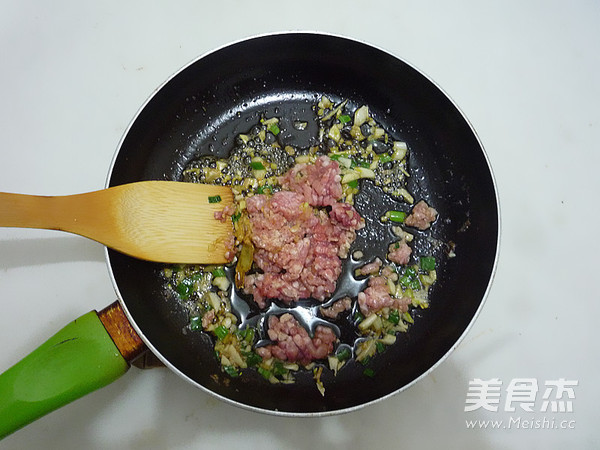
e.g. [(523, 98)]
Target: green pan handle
[(79, 359)]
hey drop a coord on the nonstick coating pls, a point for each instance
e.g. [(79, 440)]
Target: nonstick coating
[(201, 109)]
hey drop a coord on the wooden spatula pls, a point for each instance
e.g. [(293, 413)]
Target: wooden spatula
[(164, 221)]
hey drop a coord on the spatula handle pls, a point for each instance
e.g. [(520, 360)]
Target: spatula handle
[(88, 214), (162, 221), (28, 211)]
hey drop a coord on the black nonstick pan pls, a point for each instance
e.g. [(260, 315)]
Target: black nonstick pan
[(204, 106)]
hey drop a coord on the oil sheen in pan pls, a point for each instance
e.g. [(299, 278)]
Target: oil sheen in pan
[(373, 240), (371, 203)]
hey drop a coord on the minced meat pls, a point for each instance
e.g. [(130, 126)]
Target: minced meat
[(338, 307), (293, 343), (421, 216), (297, 246), (319, 183), (399, 252), (377, 294)]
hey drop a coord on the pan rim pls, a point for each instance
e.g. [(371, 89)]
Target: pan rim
[(276, 412)]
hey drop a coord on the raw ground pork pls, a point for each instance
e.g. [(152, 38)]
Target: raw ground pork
[(399, 252), (421, 216), (377, 295), (292, 342), (319, 183), (338, 307), (297, 245)]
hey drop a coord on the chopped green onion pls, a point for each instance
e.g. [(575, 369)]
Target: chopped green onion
[(246, 335), (385, 157), (343, 354), (274, 129), (336, 156), (380, 346), (196, 323), (257, 165), (344, 118), (411, 272), (278, 368), (231, 371), (197, 276), (262, 189), (368, 372), (185, 288), (396, 216), (358, 317), (235, 217), (214, 199), (407, 317), (266, 373), (394, 317), (410, 279), (218, 272), (353, 184), (221, 332), (427, 263), (252, 359)]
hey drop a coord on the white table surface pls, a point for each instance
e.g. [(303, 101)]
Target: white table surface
[(526, 74)]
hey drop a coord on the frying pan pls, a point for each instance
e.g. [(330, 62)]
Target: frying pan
[(198, 112)]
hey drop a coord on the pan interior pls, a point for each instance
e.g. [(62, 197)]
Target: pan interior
[(200, 111)]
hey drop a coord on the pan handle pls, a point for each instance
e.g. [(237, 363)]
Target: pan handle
[(87, 354)]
